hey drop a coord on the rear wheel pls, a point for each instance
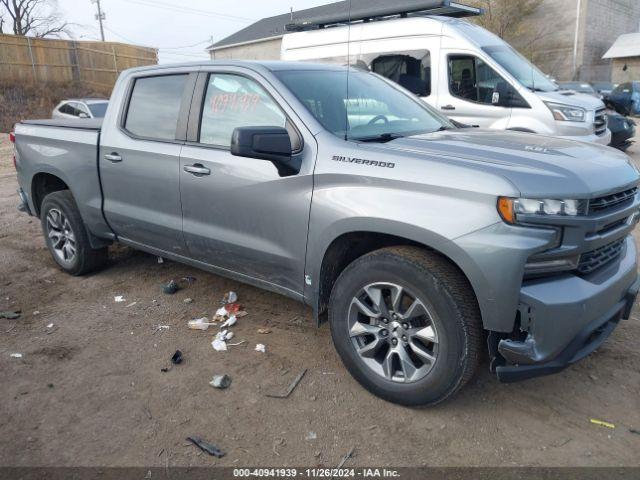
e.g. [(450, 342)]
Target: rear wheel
[(406, 324), (66, 235)]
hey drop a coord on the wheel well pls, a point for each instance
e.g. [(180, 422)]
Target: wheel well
[(347, 248), (42, 185)]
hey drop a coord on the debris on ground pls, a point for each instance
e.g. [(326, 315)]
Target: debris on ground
[(189, 279), (311, 436), (177, 358), (220, 381), (50, 325), (264, 331), (131, 304), (229, 322), (219, 343), (160, 327), (242, 313), (118, 299), (602, 423), (233, 308), (634, 431), (279, 442), (171, 287), (230, 297), (36, 313), (160, 260), (291, 388), (188, 300), (236, 344), (347, 456), (16, 355), (200, 323), (261, 348), (206, 447), (221, 313)]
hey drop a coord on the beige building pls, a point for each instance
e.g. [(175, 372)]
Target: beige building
[(566, 38), (625, 55)]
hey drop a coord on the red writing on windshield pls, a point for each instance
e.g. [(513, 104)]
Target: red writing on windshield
[(239, 102)]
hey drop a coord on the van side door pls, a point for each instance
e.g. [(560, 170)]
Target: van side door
[(242, 215), (467, 94)]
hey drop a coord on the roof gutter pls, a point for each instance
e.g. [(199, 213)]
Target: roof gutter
[(215, 46)]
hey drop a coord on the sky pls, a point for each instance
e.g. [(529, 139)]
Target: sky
[(181, 30)]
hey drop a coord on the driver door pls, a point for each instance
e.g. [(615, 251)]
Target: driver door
[(468, 97), (240, 214)]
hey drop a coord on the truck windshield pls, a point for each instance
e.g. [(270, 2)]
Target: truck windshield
[(520, 68), (373, 110)]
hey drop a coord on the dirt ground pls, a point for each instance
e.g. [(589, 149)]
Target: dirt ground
[(89, 390)]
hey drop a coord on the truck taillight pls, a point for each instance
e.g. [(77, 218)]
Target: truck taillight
[(12, 137)]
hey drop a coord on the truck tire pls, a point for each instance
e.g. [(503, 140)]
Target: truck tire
[(66, 235), (407, 325)]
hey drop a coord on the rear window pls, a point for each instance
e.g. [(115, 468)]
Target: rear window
[(98, 109), (154, 106)]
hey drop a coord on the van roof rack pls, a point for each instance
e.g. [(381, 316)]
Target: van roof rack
[(381, 10)]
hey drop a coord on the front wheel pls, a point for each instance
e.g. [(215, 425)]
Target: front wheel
[(66, 236), (407, 325)]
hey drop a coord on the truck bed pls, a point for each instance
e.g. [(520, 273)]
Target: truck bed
[(81, 123)]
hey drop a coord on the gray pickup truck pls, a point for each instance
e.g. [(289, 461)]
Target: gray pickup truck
[(420, 241)]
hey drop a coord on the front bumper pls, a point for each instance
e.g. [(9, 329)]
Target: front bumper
[(568, 317), (604, 139)]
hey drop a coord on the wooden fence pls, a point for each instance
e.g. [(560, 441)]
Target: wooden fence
[(44, 60)]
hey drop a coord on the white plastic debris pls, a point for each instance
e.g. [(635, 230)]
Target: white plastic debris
[(118, 299), (131, 304), (311, 436), (219, 345), (231, 297), (16, 355), (199, 323), (261, 348), (160, 260), (230, 322), (50, 325), (221, 312)]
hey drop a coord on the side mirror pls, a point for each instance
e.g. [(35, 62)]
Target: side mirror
[(266, 143), (83, 115)]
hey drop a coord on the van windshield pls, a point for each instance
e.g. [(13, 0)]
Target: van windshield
[(520, 68), (373, 110)]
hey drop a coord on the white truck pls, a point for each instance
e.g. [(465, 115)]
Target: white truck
[(469, 74)]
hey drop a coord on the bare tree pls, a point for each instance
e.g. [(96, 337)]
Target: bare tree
[(38, 18), (506, 18)]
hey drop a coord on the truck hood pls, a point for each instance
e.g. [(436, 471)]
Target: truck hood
[(536, 165), (574, 99)]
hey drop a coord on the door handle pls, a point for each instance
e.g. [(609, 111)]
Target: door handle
[(197, 169), (448, 107), (113, 157)]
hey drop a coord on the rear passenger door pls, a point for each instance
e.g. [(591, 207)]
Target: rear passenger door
[(139, 161), (240, 214)]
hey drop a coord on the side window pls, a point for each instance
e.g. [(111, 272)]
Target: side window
[(472, 79), (154, 106), (66, 108), (407, 71), (233, 101)]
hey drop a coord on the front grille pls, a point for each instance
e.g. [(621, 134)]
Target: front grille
[(600, 122), (591, 261), (601, 204)]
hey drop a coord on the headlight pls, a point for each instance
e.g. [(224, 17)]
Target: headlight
[(509, 208), (567, 113)]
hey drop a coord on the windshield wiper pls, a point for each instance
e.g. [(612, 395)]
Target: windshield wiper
[(382, 138)]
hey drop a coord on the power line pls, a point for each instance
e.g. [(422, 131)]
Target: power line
[(159, 48), (189, 10)]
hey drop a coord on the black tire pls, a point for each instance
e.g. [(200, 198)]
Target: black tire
[(456, 317), (86, 259)]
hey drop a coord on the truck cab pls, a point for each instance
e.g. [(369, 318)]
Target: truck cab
[(467, 73)]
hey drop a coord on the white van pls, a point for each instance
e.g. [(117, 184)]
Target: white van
[(461, 69)]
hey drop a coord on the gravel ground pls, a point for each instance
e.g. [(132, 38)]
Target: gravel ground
[(89, 390)]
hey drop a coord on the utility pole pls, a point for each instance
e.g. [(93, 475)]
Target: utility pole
[(100, 16), (576, 40)]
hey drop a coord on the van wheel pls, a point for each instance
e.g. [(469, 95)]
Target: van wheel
[(66, 235), (407, 325)]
